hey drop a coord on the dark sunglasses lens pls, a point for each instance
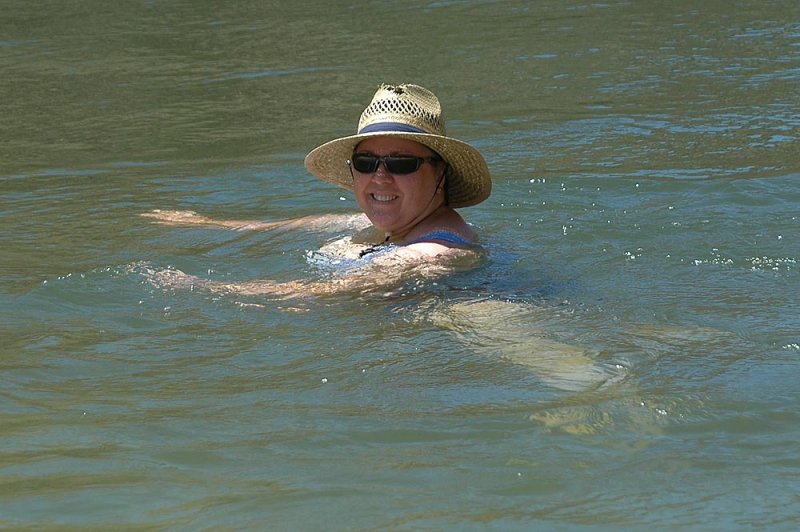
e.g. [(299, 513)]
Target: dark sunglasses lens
[(365, 164), (402, 165)]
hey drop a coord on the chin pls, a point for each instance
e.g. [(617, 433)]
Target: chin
[(381, 223)]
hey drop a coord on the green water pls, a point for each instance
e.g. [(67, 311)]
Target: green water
[(625, 357)]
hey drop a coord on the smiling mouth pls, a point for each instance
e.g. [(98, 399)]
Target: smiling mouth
[(383, 197)]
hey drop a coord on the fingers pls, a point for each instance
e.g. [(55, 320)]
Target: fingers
[(168, 217), (159, 213)]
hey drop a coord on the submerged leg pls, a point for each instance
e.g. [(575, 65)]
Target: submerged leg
[(508, 330)]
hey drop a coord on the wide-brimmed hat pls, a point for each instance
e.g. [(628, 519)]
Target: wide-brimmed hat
[(407, 112)]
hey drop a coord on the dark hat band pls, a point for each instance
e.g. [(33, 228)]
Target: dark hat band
[(383, 127)]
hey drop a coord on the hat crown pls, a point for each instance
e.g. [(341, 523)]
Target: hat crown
[(409, 105)]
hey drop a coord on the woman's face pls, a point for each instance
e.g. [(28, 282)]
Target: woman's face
[(396, 203)]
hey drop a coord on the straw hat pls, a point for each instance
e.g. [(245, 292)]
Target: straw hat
[(407, 112)]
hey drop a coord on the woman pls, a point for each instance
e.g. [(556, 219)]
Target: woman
[(408, 178)]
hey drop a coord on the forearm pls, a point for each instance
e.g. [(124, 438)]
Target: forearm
[(312, 222), (280, 290), (380, 276)]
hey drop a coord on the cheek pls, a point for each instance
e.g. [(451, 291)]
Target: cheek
[(358, 188), (421, 189), (360, 195)]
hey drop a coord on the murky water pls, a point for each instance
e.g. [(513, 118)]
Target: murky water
[(626, 355)]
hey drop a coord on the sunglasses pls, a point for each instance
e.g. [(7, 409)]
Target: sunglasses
[(394, 164)]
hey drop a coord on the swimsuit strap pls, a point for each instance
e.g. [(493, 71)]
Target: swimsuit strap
[(443, 235)]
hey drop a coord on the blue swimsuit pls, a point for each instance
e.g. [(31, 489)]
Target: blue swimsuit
[(441, 235)]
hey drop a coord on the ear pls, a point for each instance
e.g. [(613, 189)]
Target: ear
[(443, 177)]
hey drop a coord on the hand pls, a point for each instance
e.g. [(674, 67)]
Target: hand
[(179, 218), (191, 219)]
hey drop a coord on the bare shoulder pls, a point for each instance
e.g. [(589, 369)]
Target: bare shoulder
[(425, 250), (420, 253), (447, 229)]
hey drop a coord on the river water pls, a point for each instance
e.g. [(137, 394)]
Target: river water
[(626, 356)]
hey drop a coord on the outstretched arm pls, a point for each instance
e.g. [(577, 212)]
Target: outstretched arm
[(383, 274), (327, 222)]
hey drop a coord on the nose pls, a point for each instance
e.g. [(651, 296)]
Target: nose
[(381, 173)]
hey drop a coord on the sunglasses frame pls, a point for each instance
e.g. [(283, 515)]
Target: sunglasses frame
[(389, 161)]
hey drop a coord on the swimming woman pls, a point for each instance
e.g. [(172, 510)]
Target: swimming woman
[(408, 178)]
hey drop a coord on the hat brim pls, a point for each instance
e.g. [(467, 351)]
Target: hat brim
[(468, 182)]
